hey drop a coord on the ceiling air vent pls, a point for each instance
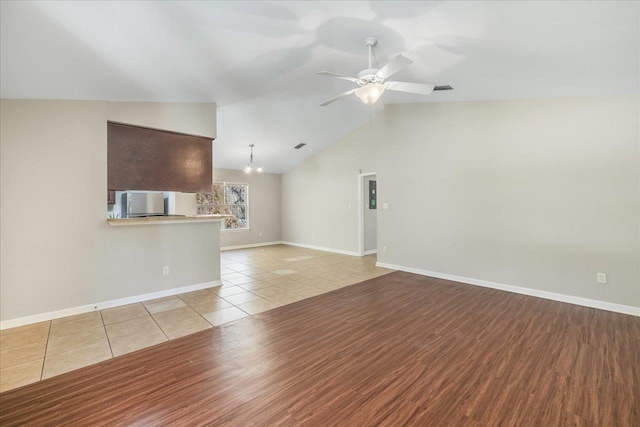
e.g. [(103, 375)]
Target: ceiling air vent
[(299, 146)]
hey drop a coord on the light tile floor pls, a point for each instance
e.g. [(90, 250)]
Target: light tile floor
[(253, 281)]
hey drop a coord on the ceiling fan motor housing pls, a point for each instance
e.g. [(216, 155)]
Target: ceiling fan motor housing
[(368, 76)]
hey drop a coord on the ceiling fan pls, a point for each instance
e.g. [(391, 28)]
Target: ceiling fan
[(372, 82)]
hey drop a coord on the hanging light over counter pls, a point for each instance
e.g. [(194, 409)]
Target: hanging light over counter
[(249, 168)]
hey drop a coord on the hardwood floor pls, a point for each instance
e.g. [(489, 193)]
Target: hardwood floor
[(254, 280), (395, 350)]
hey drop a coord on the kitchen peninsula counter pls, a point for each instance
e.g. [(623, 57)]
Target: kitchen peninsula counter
[(157, 220)]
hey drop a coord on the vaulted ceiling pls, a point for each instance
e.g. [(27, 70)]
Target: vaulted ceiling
[(258, 60)]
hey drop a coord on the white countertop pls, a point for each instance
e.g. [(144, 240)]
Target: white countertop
[(157, 220)]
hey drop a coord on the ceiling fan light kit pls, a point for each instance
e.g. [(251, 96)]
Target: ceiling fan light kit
[(370, 93), (372, 81)]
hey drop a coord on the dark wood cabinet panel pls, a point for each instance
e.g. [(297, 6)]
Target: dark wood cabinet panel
[(111, 197), (148, 159)]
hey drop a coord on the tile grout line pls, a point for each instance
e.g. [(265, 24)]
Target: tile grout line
[(156, 322), (46, 347), (235, 305), (228, 302), (196, 311), (217, 296), (106, 334), (199, 314), (246, 290)]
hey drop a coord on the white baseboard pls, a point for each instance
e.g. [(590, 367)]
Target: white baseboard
[(320, 248), (27, 320), (300, 245), (371, 252), (252, 245), (602, 305)]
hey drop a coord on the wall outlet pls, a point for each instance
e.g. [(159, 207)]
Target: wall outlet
[(385, 206), (165, 270), (312, 235), (260, 234), (602, 278), (385, 249), (349, 206)]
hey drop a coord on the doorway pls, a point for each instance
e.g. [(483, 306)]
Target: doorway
[(368, 213)]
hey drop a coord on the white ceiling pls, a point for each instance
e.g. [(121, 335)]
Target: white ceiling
[(258, 60)]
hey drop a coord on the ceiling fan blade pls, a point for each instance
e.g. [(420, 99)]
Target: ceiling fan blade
[(419, 88), (395, 65), (335, 98), (338, 76)]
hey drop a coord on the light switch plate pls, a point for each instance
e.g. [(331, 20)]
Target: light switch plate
[(602, 278), (385, 206)]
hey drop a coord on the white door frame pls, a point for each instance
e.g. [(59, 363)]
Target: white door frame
[(361, 177)]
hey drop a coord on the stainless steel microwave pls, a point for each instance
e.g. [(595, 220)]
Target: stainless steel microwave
[(142, 203)]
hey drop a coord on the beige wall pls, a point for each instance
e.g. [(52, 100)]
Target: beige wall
[(319, 196), (186, 204), (193, 119), (264, 208), (541, 194), (57, 250)]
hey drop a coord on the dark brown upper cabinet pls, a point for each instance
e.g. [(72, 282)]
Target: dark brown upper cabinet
[(140, 158)]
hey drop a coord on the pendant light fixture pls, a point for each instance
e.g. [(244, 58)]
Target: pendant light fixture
[(249, 168)]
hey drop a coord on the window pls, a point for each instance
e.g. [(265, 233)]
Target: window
[(227, 198)]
